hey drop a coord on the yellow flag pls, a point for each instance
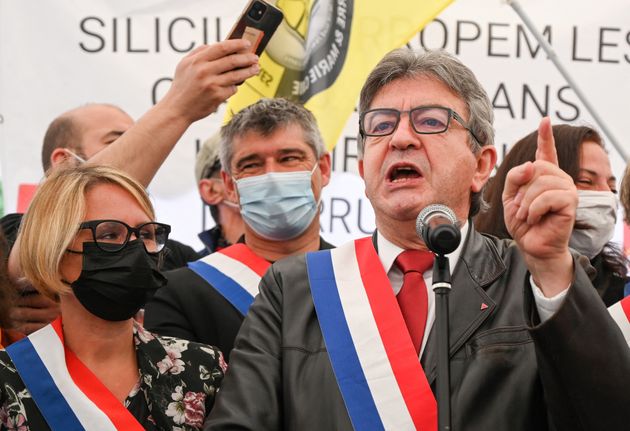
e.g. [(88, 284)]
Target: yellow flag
[(324, 49)]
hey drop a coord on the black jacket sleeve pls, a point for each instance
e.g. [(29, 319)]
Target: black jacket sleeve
[(191, 309), (584, 362), (251, 398), (177, 255), (166, 312)]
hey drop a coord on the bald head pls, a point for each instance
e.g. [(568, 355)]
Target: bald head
[(84, 131)]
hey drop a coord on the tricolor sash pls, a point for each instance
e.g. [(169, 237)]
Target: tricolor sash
[(235, 272), (69, 396), (370, 349), (620, 312)]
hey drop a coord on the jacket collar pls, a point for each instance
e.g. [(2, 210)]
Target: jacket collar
[(212, 240)]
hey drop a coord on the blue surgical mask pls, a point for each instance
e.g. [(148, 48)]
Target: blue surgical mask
[(278, 205)]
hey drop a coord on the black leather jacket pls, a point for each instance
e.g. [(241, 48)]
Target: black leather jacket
[(507, 372)]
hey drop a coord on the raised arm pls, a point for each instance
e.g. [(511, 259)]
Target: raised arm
[(203, 80)]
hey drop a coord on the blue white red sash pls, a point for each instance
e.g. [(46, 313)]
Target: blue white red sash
[(69, 396), (372, 355), (235, 272), (620, 312)]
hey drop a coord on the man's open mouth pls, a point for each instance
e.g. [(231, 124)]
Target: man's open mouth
[(400, 173)]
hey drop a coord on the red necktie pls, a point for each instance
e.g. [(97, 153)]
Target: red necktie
[(412, 298)]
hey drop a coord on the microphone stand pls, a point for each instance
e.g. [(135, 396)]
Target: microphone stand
[(438, 227), (442, 287)]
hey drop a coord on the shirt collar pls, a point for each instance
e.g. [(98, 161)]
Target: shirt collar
[(388, 251)]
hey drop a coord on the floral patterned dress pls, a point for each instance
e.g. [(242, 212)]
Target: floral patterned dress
[(176, 390)]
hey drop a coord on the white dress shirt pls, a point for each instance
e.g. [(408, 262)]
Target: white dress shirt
[(388, 252)]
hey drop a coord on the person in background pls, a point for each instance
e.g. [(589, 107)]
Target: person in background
[(582, 155), (343, 339), (94, 367), (275, 166), (620, 311), (71, 139), (7, 293), (624, 197), (227, 218), (79, 134), (104, 134), (624, 194)]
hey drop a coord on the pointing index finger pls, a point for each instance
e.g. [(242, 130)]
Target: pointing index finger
[(546, 144)]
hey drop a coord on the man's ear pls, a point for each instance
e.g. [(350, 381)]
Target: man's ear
[(58, 156), (231, 192), (486, 160), (211, 190), (325, 168)]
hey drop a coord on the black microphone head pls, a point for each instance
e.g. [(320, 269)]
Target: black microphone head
[(438, 227), (444, 239)]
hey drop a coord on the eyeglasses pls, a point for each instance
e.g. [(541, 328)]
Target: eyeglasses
[(425, 120), (113, 235)]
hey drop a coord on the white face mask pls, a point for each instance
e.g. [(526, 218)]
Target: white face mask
[(599, 211)]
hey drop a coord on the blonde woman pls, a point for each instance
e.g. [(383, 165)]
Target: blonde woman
[(89, 239)]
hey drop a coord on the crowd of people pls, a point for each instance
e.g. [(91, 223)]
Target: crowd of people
[(107, 323)]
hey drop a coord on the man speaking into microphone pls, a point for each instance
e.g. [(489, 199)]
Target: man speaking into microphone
[(343, 339)]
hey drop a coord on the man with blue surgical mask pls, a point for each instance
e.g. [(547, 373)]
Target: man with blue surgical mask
[(274, 165)]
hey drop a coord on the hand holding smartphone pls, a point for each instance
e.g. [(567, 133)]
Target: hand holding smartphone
[(257, 23)]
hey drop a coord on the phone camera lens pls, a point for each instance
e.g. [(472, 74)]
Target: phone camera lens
[(257, 11)]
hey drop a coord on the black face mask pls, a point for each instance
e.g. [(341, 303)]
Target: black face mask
[(114, 286)]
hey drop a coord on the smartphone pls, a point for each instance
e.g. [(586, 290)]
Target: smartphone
[(257, 23)]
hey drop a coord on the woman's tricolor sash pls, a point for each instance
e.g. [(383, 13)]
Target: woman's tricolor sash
[(69, 396), (235, 272), (620, 312), (372, 355)]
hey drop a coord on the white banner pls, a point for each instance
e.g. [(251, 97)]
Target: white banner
[(58, 55)]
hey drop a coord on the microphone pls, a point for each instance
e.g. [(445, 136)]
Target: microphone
[(438, 227)]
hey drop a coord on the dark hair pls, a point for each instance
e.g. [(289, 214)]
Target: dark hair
[(7, 290), (624, 193), (10, 225), (214, 213), (61, 133), (569, 140), (213, 171)]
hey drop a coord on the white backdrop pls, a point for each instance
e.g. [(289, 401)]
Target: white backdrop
[(57, 55)]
